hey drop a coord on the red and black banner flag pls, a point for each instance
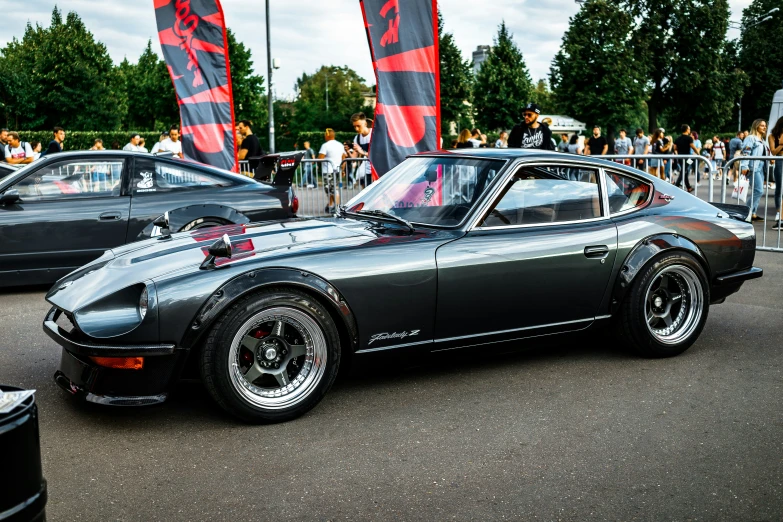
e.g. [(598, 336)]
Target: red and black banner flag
[(403, 36), (195, 47)]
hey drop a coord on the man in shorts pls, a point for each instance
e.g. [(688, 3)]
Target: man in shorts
[(332, 151)]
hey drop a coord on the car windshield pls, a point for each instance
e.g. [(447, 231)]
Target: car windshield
[(429, 191)]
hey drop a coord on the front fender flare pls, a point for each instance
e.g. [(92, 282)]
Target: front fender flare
[(180, 217), (254, 280), (643, 253)]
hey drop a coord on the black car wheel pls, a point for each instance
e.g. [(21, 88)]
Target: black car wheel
[(202, 223), (667, 306), (272, 356)]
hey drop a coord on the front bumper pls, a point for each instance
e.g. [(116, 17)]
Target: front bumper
[(80, 376)]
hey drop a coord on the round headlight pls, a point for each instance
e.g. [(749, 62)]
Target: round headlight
[(143, 304)]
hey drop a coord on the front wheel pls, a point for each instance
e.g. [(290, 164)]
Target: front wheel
[(272, 356), (667, 306)]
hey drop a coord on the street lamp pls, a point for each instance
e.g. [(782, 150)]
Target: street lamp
[(742, 27), (269, 67)]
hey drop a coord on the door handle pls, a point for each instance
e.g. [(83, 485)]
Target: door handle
[(597, 251), (111, 216)]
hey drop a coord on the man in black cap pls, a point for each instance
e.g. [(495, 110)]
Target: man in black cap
[(530, 134)]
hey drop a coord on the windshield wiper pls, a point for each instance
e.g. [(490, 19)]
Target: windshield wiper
[(383, 213)]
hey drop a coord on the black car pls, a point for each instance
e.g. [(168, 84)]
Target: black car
[(6, 169), (447, 251), (65, 210)]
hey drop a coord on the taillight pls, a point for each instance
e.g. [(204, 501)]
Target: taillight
[(120, 363), (295, 205)]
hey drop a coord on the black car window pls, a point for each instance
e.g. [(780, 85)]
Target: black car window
[(152, 177), (625, 192), (73, 179), (540, 195)]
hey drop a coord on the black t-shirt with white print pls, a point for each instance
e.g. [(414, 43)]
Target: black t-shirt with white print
[(524, 137)]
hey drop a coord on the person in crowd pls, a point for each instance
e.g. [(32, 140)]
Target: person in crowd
[(158, 147), (502, 141), (331, 150), (361, 146), (597, 144), (776, 149), (97, 144), (3, 138), (36, 146), (133, 144), (115, 145), (238, 137), (667, 147), (563, 145), (172, 144), (349, 167), (696, 141), (623, 147), (548, 123), (56, 145), (684, 146), (755, 145), (308, 179), (530, 133), (475, 138), (142, 146), (655, 166), (463, 140), (574, 147), (735, 149), (251, 147), (641, 147), (706, 153), (484, 144), (17, 152), (718, 155)]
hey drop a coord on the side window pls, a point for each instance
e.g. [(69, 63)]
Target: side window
[(625, 192), (151, 177), (73, 179), (538, 195)]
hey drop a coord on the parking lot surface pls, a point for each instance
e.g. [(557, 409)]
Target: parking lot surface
[(569, 429)]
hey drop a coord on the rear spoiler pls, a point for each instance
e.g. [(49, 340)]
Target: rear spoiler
[(278, 169), (738, 212)]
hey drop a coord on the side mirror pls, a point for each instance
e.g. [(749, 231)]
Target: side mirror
[(163, 224), (219, 249), (9, 197)]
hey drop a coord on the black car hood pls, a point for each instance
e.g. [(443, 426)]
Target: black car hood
[(151, 259)]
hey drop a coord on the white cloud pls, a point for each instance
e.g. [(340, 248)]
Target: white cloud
[(309, 33)]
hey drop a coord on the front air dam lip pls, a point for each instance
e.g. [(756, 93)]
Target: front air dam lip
[(87, 348)]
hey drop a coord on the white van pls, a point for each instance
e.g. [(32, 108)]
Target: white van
[(777, 109)]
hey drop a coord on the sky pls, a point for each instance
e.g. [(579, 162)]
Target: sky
[(309, 33)]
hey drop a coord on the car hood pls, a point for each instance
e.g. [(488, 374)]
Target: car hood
[(257, 243)]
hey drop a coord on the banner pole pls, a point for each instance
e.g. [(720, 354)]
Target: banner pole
[(269, 81)]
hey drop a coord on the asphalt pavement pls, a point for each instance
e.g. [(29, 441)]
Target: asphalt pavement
[(569, 429)]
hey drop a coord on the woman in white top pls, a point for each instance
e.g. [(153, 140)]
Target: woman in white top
[(718, 155)]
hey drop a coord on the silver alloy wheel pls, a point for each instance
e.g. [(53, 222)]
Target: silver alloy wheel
[(674, 304), (277, 369)]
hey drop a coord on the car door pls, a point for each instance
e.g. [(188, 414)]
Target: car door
[(69, 212), (538, 260)]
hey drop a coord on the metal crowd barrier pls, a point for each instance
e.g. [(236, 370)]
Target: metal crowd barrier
[(765, 193), (674, 168)]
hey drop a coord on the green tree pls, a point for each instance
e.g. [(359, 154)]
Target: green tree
[(71, 75), (594, 76), (544, 97), (456, 79), (682, 44), (152, 103), (503, 84), (249, 92), (346, 91), (761, 59)]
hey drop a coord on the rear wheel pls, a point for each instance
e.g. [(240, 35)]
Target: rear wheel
[(667, 306), (272, 356)]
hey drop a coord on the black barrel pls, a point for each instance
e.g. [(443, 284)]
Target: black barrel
[(22, 486)]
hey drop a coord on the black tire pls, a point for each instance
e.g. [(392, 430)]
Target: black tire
[(227, 382), (651, 331), (200, 223)]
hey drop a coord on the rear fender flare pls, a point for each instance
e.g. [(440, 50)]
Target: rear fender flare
[(182, 216), (255, 280), (645, 251)]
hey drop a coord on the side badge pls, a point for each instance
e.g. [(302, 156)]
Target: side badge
[(665, 197)]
